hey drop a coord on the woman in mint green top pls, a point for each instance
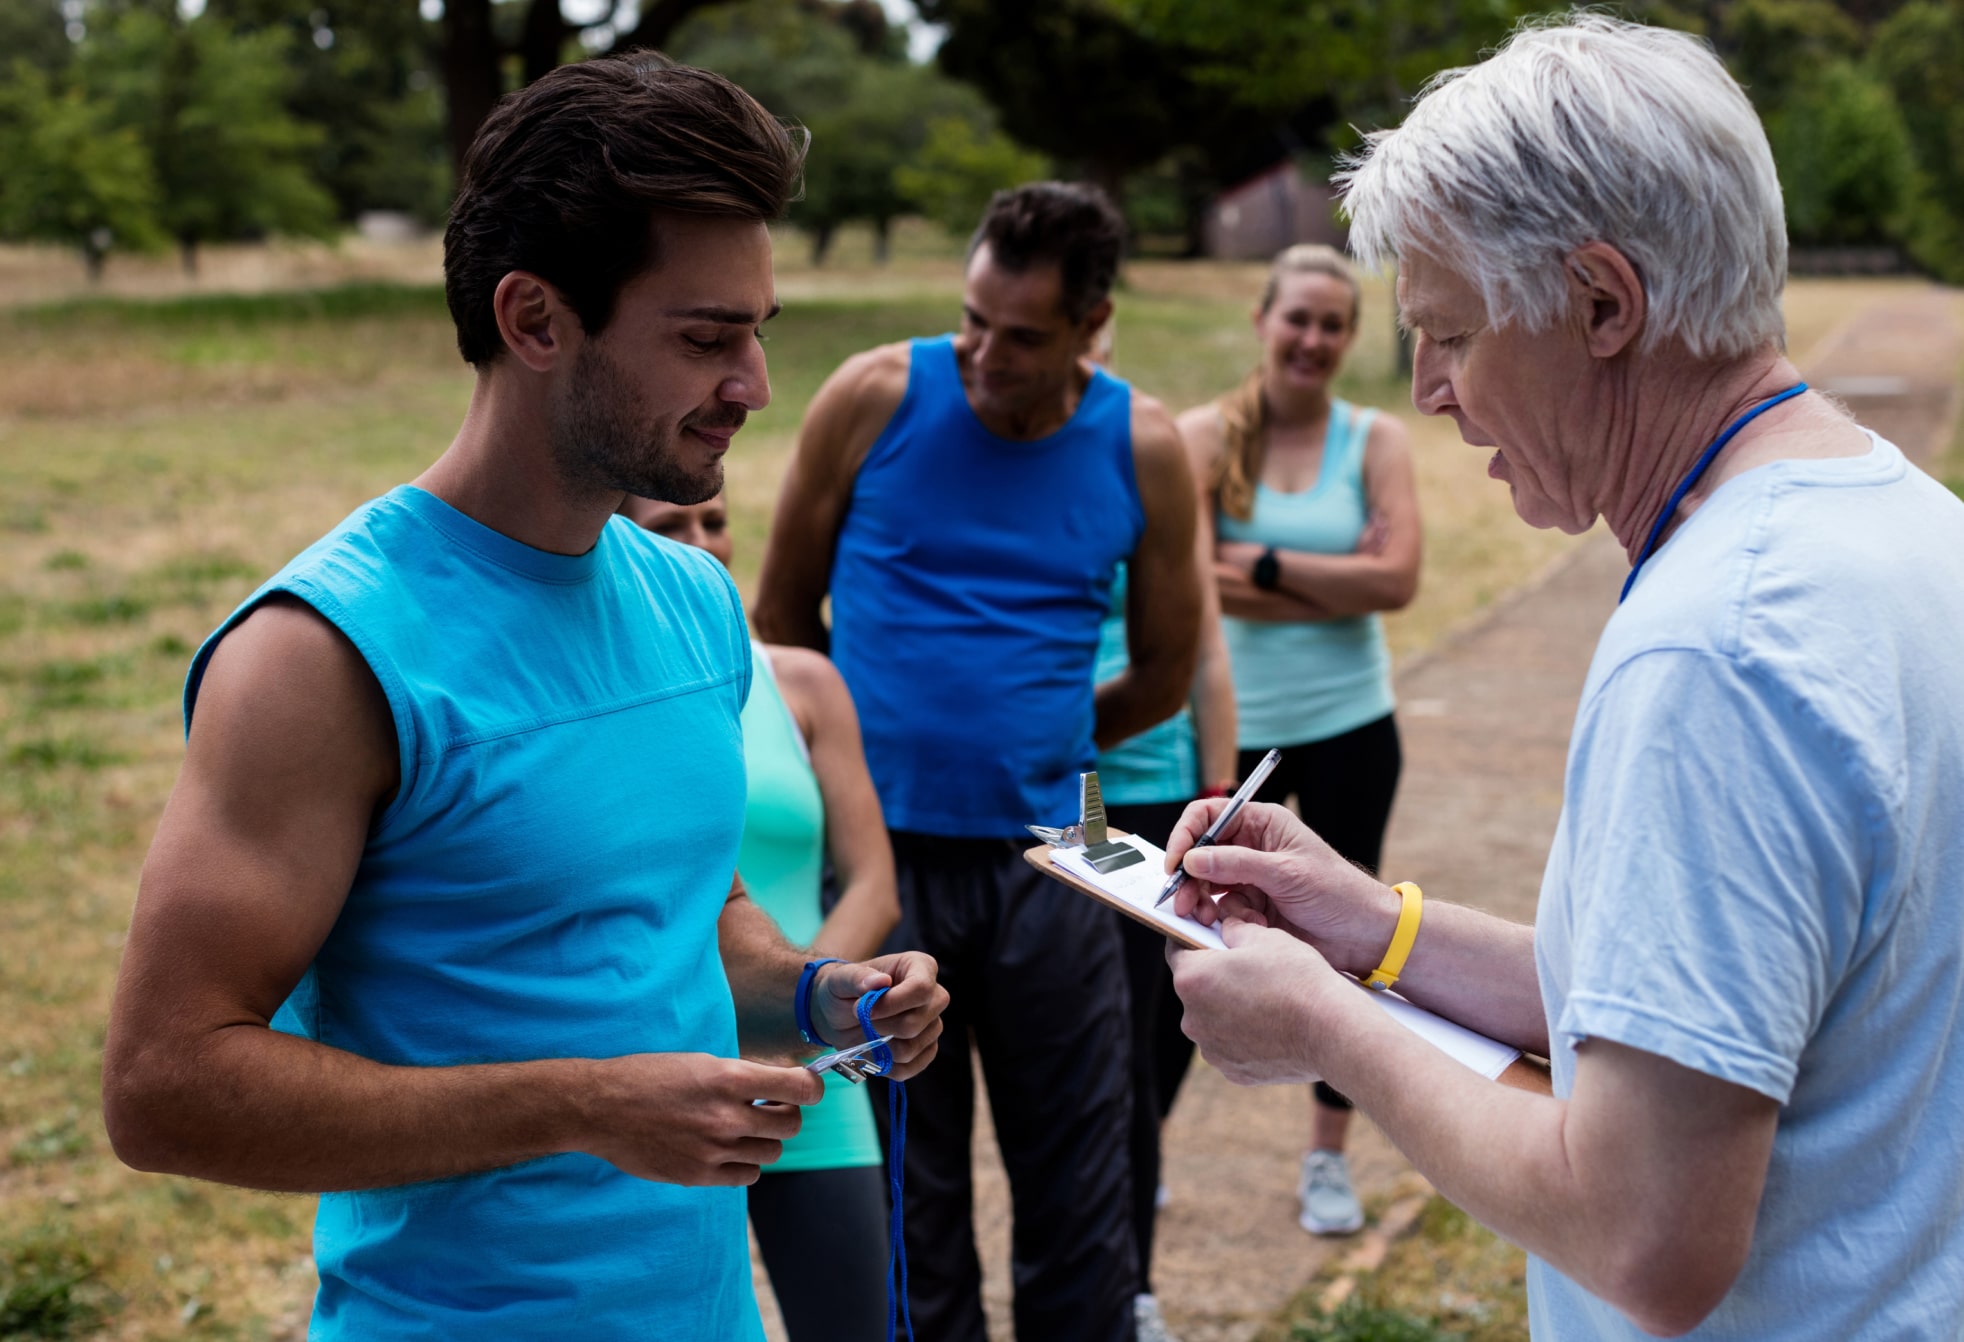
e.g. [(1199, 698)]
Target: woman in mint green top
[(820, 1210), (1315, 515)]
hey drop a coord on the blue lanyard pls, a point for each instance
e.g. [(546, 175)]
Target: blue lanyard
[(898, 1311), (1684, 486)]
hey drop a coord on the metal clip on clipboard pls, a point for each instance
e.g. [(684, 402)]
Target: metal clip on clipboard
[(1104, 853)]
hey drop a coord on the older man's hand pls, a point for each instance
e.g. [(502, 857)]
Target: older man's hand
[(1269, 866), (1253, 1008)]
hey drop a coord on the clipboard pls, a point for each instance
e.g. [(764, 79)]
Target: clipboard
[(1526, 1073), (1042, 858)]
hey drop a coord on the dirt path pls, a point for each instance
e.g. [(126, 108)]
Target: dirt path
[(1485, 720)]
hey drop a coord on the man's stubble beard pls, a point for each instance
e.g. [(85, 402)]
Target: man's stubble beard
[(604, 441)]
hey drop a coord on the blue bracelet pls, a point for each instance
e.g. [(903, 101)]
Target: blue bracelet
[(801, 1001)]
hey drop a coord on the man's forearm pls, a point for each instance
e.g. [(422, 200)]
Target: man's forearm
[(1467, 966), (763, 969), (258, 1108), (1139, 697)]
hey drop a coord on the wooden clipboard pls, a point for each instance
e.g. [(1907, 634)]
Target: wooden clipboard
[(1526, 1072), (1042, 858)]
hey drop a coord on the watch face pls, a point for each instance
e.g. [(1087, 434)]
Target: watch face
[(1267, 571)]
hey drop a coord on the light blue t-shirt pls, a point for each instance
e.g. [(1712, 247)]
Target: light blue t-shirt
[(547, 883), (1159, 765), (1309, 680), (1759, 874)]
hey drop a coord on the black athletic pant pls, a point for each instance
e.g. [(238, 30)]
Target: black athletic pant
[(1343, 788), (1160, 1052), (1035, 974), (824, 1238)]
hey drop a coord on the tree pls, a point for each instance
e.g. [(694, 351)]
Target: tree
[(364, 72), (842, 73), (959, 168), (1844, 157), (230, 162), (69, 173), (1359, 60), (1918, 54)]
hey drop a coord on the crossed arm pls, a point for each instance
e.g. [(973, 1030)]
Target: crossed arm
[(291, 753), (1381, 574), (1643, 1186)]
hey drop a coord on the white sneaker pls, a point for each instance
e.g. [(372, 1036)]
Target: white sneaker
[(1330, 1207), (1146, 1320)]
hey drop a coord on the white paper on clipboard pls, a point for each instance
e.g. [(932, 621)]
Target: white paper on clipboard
[(1139, 886)]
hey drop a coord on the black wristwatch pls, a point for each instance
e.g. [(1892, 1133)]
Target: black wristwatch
[(1267, 572)]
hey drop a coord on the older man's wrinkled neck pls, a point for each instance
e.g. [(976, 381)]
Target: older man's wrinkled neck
[(1679, 407)]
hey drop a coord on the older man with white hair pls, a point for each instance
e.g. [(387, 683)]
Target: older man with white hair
[(1748, 964)]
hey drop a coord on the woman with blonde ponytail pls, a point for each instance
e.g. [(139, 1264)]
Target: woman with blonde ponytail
[(1315, 512)]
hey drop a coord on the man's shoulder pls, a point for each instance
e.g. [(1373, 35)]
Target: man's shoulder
[(875, 380)]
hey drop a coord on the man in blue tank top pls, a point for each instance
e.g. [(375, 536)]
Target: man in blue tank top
[(440, 920), (966, 502)]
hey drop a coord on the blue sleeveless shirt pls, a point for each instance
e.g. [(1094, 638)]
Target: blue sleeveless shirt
[(968, 584), (546, 883)]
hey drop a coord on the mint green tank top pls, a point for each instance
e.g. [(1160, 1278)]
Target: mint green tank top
[(780, 859), (1313, 679)]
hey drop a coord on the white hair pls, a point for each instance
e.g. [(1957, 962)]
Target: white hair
[(1587, 129)]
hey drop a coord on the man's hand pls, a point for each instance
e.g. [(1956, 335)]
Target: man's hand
[(910, 1011), (691, 1118), (1256, 1008), (1270, 867)]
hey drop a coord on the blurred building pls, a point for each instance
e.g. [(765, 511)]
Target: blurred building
[(1255, 219)]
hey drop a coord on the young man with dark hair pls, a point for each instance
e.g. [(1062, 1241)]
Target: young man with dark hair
[(440, 917), (967, 502)]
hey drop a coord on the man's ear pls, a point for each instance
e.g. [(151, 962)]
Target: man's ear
[(534, 320), (1609, 297), (1094, 322)]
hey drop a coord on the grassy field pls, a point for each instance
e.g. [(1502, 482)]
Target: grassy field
[(157, 458)]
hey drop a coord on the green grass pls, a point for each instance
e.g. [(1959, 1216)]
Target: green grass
[(1450, 1280), (203, 311)]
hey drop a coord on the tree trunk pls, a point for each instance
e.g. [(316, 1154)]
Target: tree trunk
[(470, 71), (543, 37), (187, 254), (821, 243), (92, 259), (882, 241)]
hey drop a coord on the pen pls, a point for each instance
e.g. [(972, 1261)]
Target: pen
[(1235, 803)]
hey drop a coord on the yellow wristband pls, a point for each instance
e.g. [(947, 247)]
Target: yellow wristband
[(1393, 963)]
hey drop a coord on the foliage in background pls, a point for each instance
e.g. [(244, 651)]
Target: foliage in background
[(888, 137), (364, 72), (209, 103), (1918, 54), (70, 173), (959, 168)]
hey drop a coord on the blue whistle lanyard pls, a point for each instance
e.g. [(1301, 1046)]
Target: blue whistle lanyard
[(1692, 477), (898, 1312)]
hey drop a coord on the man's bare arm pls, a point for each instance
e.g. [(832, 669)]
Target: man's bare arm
[(1162, 611), (1643, 1186), (764, 970), (844, 420), (291, 751)]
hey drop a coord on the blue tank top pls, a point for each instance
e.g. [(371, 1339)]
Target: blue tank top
[(1315, 679), (1161, 764), (970, 578), (546, 883)]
